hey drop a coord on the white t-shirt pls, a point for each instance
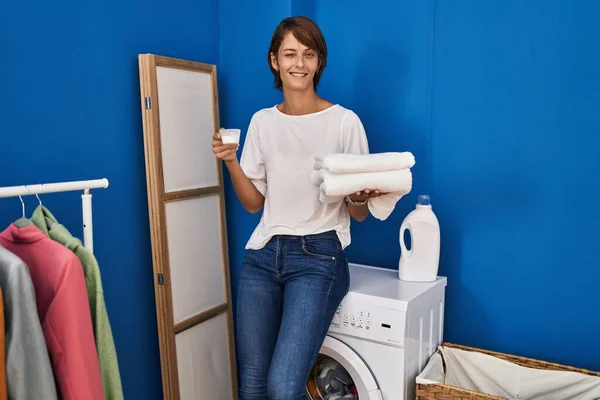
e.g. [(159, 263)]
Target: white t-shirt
[(278, 156)]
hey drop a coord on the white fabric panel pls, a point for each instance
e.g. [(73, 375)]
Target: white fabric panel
[(186, 128), (491, 375), (203, 361), (195, 255)]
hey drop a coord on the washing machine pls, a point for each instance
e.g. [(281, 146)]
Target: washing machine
[(385, 330)]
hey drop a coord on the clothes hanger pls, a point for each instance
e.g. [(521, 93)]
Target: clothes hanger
[(23, 221), (49, 222)]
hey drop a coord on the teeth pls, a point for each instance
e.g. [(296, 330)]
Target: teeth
[(297, 74)]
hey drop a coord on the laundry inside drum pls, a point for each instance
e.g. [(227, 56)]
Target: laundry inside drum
[(328, 380)]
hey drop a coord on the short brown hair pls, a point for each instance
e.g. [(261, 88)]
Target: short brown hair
[(306, 32)]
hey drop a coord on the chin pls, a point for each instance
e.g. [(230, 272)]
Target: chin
[(297, 87)]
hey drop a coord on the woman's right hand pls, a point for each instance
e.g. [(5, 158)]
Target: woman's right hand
[(225, 152)]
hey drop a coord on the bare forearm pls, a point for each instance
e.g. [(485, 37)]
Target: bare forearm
[(359, 213), (252, 200)]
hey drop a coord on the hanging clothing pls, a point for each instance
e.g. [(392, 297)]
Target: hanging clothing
[(3, 393), (107, 354), (59, 283), (28, 370)]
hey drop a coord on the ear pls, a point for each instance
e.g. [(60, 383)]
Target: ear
[(274, 62)]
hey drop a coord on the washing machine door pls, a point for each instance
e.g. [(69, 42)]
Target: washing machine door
[(365, 382)]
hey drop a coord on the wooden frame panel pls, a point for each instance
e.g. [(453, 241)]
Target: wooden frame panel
[(157, 200)]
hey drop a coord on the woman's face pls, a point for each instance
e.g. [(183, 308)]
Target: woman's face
[(297, 64)]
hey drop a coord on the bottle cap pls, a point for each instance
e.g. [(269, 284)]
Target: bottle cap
[(424, 200)]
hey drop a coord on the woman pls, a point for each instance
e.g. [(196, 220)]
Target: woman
[(295, 272)]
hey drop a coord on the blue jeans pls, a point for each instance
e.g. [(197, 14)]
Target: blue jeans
[(288, 293)]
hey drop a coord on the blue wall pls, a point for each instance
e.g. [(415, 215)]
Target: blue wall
[(464, 85), (515, 139), (499, 103), (70, 110)]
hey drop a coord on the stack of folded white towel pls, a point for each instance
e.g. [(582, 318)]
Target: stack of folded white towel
[(340, 174)]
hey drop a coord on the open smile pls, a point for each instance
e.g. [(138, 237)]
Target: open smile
[(298, 74)]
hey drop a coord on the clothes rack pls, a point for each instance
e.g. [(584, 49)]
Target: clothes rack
[(86, 199)]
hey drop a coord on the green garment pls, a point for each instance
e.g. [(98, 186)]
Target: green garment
[(107, 355)]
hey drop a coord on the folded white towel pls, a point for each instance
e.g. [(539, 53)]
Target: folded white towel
[(394, 185), (346, 184), (343, 163)]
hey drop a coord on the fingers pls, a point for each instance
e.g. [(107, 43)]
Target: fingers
[(367, 193), (224, 151), (217, 135), (371, 193), (224, 154), (219, 148)]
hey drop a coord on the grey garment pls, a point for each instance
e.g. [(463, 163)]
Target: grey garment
[(335, 384), (28, 370), (333, 380)]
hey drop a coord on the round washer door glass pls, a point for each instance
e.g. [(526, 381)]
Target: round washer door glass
[(364, 381)]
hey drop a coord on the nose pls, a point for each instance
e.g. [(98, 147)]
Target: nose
[(299, 61)]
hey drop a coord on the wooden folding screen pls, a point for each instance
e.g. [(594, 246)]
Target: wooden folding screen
[(187, 221)]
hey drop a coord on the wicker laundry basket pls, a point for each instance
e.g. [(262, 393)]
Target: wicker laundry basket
[(447, 392)]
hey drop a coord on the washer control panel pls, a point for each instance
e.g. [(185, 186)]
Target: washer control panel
[(355, 318)]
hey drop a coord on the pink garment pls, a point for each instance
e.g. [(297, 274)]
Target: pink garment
[(62, 304)]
